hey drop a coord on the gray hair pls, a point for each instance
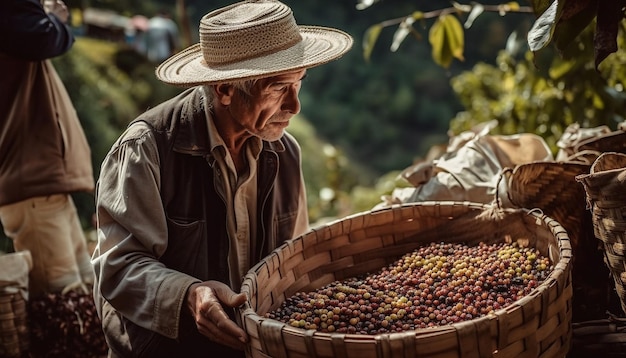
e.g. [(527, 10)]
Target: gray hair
[(243, 86)]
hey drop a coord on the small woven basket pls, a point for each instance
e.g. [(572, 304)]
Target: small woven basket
[(609, 142), (605, 186), (537, 325), (552, 188), (14, 333)]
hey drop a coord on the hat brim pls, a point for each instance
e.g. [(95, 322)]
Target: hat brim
[(319, 45)]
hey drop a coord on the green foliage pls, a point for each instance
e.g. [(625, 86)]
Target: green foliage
[(328, 173), (106, 98), (371, 35), (364, 198), (558, 21), (372, 117), (384, 112), (544, 100), (446, 35)]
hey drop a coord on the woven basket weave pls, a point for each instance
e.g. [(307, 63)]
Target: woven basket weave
[(605, 338), (538, 325), (14, 333), (552, 187), (610, 142), (605, 186)]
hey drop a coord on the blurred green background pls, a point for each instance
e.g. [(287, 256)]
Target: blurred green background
[(362, 121)]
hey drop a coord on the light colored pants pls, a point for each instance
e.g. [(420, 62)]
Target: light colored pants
[(49, 228)]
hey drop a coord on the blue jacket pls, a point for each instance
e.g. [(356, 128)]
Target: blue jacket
[(29, 33)]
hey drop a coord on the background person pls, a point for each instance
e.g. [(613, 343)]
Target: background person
[(161, 38), (44, 155), (203, 186)]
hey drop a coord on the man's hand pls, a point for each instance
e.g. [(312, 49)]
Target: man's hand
[(57, 8), (205, 302)]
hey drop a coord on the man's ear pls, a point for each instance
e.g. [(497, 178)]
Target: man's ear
[(224, 93)]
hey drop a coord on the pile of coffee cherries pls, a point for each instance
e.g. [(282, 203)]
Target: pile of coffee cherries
[(435, 285), (65, 325)]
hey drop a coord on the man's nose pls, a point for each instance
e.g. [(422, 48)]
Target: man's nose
[(291, 102)]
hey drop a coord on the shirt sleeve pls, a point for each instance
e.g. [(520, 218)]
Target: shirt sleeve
[(132, 235), (29, 33)]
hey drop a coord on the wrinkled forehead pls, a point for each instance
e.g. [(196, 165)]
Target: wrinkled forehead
[(288, 77)]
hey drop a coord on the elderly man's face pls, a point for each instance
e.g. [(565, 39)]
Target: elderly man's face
[(270, 106)]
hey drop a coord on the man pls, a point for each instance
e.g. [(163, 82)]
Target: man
[(203, 186), (44, 154)]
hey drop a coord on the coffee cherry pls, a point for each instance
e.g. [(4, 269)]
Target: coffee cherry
[(437, 284)]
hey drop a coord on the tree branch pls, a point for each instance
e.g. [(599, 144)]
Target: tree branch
[(460, 9)]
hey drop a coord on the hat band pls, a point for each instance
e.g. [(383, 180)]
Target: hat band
[(224, 44)]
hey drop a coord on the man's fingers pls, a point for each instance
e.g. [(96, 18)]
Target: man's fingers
[(220, 320), (222, 336), (228, 296), (214, 319)]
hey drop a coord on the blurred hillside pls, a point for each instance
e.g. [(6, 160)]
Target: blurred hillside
[(383, 113)]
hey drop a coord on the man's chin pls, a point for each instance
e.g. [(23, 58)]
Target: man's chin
[(272, 136)]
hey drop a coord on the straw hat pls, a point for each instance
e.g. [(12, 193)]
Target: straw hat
[(252, 39)]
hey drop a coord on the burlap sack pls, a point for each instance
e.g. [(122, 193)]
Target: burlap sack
[(470, 169)]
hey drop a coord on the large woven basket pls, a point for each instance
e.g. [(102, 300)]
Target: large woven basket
[(605, 186), (538, 325)]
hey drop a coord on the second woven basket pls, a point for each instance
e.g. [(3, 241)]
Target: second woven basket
[(605, 186)]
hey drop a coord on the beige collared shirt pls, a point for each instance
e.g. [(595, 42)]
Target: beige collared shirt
[(240, 196)]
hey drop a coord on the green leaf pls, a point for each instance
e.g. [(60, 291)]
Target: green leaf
[(455, 36), (539, 6), (607, 27), (513, 6), (436, 37), (417, 15), (447, 40), (401, 32), (477, 10), (364, 4), (541, 32), (369, 40), (567, 30)]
